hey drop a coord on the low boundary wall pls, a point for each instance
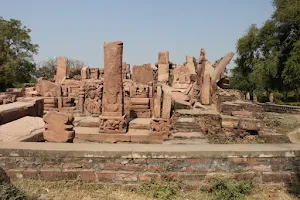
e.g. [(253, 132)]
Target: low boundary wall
[(280, 108), (135, 163)]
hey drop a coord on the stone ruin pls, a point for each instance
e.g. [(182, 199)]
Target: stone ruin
[(151, 104)]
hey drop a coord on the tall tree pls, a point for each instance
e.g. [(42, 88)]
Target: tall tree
[(16, 53), (268, 57)]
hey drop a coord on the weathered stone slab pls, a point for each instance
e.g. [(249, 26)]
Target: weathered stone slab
[(24, 129), (142, 74), (181, 77), (249, 124), (230, 122), (16, 110), (48, 88), (140, 123)]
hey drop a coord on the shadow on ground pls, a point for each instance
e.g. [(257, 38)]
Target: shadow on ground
[(9, 191), (294, 186)]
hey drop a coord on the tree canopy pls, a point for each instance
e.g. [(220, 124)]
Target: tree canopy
[(47, 68), (16, 53), (268, 58)]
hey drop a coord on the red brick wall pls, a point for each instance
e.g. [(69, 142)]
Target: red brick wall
[(193, 168)]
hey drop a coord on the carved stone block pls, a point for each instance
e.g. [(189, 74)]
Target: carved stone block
[(112, 124)]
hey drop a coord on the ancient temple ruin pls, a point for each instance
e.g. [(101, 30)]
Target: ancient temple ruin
[(150, 104)]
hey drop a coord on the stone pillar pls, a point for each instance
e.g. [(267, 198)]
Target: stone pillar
[(81, 99), (157, 102), (163, 67), (112, 119), (61, 70), (190, 64), (271, 98), (206, 90), (255, 98), (128, 76), (85, 73), (167, 102), (248, 98)]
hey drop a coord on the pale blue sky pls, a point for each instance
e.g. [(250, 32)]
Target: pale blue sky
[(78, 28)]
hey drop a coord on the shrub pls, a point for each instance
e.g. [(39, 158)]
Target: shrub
[(161, 189), (224, 189), (10, 192)]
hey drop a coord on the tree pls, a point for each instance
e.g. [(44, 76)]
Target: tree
[(47, 68), (16, 53), (268, 57)]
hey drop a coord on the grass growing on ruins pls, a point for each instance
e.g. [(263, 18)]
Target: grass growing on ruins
[(161, 190), (230, 189)]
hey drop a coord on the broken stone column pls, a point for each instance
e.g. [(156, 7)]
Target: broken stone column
[(112, 119), (85, 73), (128, 75), (163, 67), (81, 99), (271, 98), (157, 102), (220, 67), (61, 70), (59, 127), (190, 64), (94, 73), (167, 102), (248, 98), (255, 98)]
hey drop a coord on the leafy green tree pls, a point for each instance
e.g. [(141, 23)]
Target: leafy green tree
[(268, 57), (16, 53)]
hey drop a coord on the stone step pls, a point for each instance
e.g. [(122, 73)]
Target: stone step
[(88, 122), (185, 120), (189, 135), (186, 142), (25, 129), (186, 125), (140, 123), (91, 134), (187, 129)]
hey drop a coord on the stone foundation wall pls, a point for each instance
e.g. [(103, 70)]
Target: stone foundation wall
[(280, 108), (134, 163)]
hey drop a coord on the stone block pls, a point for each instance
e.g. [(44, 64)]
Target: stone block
[(143, 74), (249, 124), (59, 127), (230, 122), (163, 73)]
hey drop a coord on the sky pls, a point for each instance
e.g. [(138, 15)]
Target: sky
[(77, 29)]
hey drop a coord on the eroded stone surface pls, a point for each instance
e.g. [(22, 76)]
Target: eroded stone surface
[(25, 128), (59, 127)]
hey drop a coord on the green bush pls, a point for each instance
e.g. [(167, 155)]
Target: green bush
[(224, 189), (10, 192), (161, 189)]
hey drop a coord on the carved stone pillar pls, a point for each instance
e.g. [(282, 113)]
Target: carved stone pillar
[(112, 119), (81, 99)]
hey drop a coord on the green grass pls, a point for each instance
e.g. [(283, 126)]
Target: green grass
[(218, 189)]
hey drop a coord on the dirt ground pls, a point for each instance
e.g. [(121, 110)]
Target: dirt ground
[(288, 124), (73, 190)]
